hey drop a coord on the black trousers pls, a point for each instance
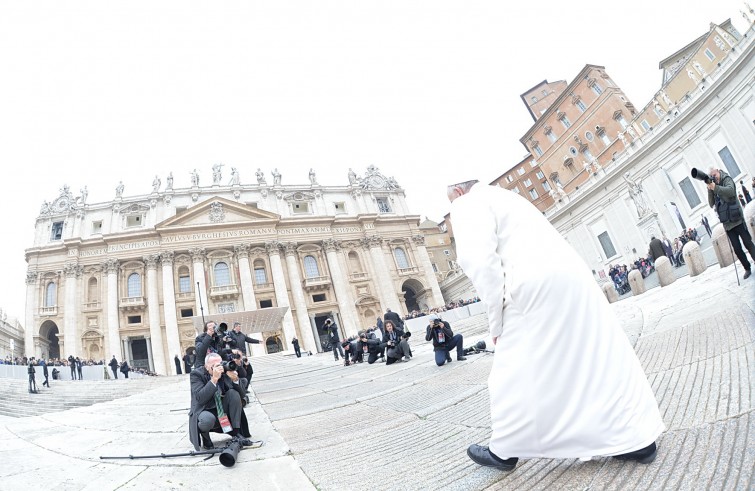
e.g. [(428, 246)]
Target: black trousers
[(297, 350), (232, 408), (115, 372), (741, 232), (47, 381), (337, 344), (32, 383), (73, 372)]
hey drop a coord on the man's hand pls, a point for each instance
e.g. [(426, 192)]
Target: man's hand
[(233, 376), (711, 185), (217, 372)]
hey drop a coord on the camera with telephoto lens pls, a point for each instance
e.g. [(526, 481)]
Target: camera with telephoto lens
[(701, 176), (230, 366)]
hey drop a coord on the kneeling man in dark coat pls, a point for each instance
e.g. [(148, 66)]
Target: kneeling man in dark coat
[(212, 388)]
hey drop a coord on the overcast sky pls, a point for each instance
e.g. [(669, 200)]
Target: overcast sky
[(100, 91)]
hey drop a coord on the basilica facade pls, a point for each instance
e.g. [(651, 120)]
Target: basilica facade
[(127, 277)]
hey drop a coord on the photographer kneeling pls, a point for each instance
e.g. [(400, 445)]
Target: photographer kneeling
[(214, 390), (369, 346), (397, 343), (444, 341)]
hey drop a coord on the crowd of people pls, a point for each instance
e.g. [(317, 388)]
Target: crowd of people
[(75, 364), (449, 306)]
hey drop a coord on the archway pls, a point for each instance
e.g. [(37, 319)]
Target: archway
[(273, 344), (48, 333), (415, 296)]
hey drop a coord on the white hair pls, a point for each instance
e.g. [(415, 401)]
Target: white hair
[(211, 356)]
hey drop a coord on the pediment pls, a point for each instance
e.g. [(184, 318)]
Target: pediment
[(217, 212)]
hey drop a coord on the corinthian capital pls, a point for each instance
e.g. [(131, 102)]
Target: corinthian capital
[(241, 250), (150, 260), (72, 270), (110, 265), (419, 240), (31, 277), (197, 254), (289, 248), (166, 257), (331, 245), (374, 241), (272, 247)]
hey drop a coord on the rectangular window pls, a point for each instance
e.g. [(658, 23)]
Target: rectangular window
[(97, 227), (260, 277), (134, 319), (520, 171), (565, 121), (710, 54), (528, 182), (538, 150), (588, 154), (320, 297), (446, 252), (605, 242), (604, 138), (57, 231), (435, 268), (596, 88), (134, 221), (689, 192), (552, 137), (546, 186), (187, 312), (265, 304), (540, 174), (509, 179), (581, 105), (645, 124), (184, 284), (515, 189), (728, 159), (622, 121), (300, 208), (533, 163), (383, 205), (339, 207), (533, 194)]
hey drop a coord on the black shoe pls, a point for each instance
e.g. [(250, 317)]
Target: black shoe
[(483, 456), (245, 442), (207, 442), (747, 274), (461, 358), (448, 358), (643, 456)]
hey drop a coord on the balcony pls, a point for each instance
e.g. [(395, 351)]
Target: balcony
[(408, 271), (92, 306), (359, 276), (48, 311), (130, 304), (316, 283), (225, 292), (263, 287), (183, 296)]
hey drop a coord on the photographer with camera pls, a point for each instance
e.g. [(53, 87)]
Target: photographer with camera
[(349, 346), (722, 196), (444, 340), (216, 395), (206, 343), (396, 342), (334, 338), (369, 346)]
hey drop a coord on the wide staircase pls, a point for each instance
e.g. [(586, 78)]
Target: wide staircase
[(16, 401)]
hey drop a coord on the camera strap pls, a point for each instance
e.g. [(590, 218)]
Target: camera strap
[(225, 423)]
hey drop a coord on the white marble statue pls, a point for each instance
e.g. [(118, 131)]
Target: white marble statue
[(235, 179), (692, 76), (699, 69), (276, 177), (623, 139), (666, 99), (195, 178), (632, 132), (352, 176), (84, 194), (260, 177), (217, 175), (119, 189), (169, 180), (156, 184), (638, 196), (312, 177), (45, 208)]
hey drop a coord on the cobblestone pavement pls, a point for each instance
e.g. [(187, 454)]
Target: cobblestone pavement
[(407, 426)]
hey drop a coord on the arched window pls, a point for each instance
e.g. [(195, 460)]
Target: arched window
[(260, 274), (92, 291), (222, 274), (134, 284), (50, 292), (184, 280), (354, 264), (401, 260), (310, 267)]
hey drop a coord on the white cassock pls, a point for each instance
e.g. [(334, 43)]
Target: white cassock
[(565, 381)]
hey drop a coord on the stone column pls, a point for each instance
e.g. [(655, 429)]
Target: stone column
[(169, 305), (32, 290), (110, 266), (427, 265), (150, 356), (247, 292), (388, 296), (73, 272), (153, 307), (351, 320), (281, 292), (300, 302), (198, 255)]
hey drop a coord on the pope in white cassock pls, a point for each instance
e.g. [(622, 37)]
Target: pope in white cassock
[(565, 382)]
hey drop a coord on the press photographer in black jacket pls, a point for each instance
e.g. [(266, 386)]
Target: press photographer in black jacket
[(444, 340), (240, 339), (368, 346), (206, 343), (396, 342)]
